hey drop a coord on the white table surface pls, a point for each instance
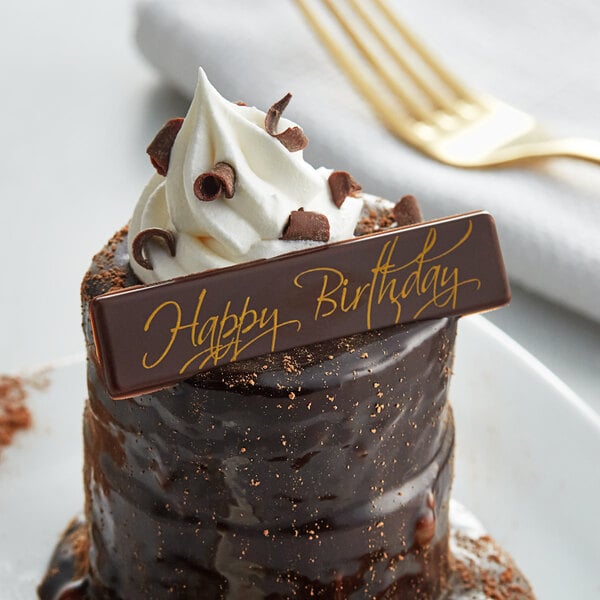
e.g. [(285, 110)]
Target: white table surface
[(78, 107)]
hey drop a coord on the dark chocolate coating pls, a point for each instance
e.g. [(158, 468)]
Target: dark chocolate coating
[(324, 471), (479, 568)]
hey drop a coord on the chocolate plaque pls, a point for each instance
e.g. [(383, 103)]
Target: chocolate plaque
[(152, 336)]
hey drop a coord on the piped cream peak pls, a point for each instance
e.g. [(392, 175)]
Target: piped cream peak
[(270, 182)]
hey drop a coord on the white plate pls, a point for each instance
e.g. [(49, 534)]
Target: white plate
[(528, 452), (527, 465)]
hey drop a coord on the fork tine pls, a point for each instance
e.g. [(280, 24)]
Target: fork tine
[(386, 111), (444, 75), (416, 110), (436, 98)]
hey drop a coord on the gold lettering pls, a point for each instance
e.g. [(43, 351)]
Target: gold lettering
[(219, 337), (357, 296), (422, 276), (272, 330), (174, 331), (325, 295), (197, 317), (387, 288), (225, 336)]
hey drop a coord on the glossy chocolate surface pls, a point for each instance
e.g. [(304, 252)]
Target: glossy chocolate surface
[(300, 473), (479, 568), (320, 472)]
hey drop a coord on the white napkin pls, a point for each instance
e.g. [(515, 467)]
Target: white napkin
[(543, 57)]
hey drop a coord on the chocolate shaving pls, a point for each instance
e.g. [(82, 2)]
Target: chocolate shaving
[(216, 183), (407, 211), (159, 149), (306, 225), (241, 103), (292, 138), (342, 185), (138, 247)]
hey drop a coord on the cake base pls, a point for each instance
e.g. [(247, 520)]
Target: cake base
[(325, 468), (480, 569)]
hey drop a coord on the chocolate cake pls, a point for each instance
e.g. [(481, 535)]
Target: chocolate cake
[(320, 471)]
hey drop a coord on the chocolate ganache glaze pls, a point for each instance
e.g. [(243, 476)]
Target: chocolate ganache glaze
[(321, 471)]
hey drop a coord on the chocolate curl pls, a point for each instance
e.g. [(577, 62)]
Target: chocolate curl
[(159, 149), (407, 211), (138, 247), (292, 138), (342, 185), (216, 183), (306, 225)]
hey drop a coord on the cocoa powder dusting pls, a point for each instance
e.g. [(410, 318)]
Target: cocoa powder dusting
[(14, 415), (290, 366), (104, 276), (79, 543), (374, 220), (485, 567)]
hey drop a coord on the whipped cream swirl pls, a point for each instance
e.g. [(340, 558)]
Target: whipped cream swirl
[(270, 183)]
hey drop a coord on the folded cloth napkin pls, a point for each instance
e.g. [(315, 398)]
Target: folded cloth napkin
[(536, 55)]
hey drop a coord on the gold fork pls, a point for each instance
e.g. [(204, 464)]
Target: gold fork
[(427, 106)]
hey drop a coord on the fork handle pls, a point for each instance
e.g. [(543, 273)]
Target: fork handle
[(582, 148)]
